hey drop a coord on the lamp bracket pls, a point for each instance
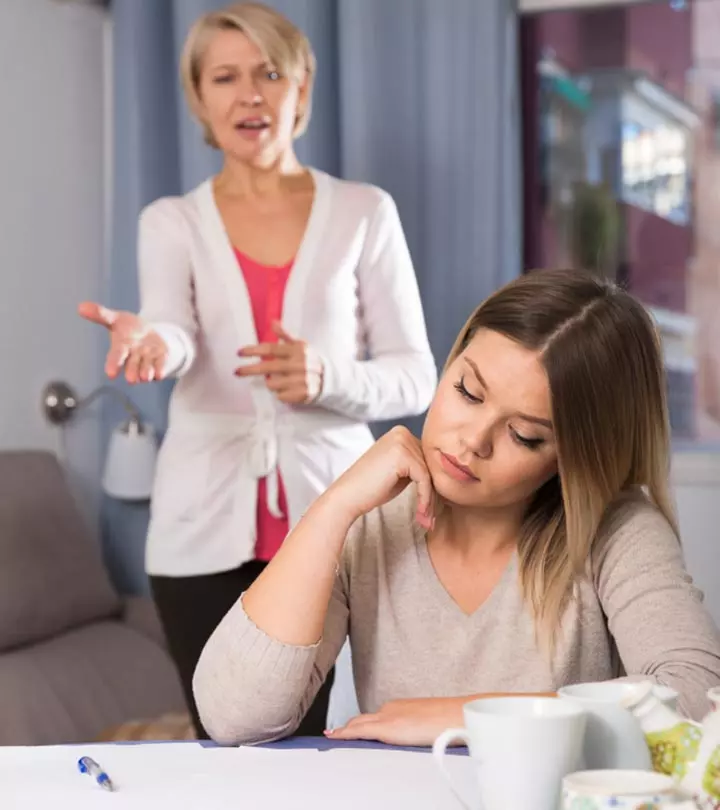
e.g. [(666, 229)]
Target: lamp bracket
[(60, 402)]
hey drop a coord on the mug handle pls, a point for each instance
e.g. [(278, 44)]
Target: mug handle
[(439, 751)]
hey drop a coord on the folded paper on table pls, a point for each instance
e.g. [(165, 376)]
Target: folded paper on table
[(189, 776)]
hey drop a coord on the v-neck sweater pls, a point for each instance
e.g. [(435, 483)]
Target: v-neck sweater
[(636, 613)]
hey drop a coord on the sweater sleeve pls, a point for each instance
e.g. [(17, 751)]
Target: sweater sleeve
[(251, 688), (166, 287), (398, 378), (654, 611)]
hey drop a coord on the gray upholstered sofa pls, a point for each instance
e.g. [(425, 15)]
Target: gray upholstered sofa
[(75, 657)]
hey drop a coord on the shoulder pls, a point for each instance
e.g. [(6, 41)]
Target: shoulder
[(635, 536), (358, 198), (173, 213)]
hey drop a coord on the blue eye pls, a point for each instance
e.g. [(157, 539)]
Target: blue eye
[(272, 75), (460, 388)]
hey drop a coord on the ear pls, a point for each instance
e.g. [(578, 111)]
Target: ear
[(198, 107), (198, 110), (303, 93)]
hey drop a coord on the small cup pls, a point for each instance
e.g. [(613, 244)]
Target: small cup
[(622, 790)]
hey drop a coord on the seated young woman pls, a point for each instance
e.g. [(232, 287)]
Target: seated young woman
[(525, 542)]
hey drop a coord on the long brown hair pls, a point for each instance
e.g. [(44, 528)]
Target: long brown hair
[(602, 356)]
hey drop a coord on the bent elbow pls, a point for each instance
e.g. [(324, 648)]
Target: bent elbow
[(244, 728), (231, 714)]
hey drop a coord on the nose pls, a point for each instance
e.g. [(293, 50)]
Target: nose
[(483, 449), (478, 438), (248, 93)]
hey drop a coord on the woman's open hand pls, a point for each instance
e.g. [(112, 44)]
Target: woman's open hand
[(414, 721), (133, 345), (418, 721)]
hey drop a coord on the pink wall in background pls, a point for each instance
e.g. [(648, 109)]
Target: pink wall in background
[(560, 31), (659, 42), (658, 252)]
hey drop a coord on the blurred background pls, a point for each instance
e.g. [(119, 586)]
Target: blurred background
[(512, 135)]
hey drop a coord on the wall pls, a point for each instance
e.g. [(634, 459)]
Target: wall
[(704, 292), (51, 210), (696, 479), (658, 252), (660, 43), (532, 6)]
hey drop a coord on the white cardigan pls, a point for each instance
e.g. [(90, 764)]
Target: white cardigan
[(352, 295)]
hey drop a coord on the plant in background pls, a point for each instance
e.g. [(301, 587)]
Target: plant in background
[(594, 229)]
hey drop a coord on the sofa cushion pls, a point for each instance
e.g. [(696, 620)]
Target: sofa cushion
[(52, 577), (74, 687)]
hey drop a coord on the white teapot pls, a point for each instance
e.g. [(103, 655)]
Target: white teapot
[(681, 748), (613, 737)]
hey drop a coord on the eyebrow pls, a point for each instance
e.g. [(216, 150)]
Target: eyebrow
[(230, 66), (476, 372), (526, 417)]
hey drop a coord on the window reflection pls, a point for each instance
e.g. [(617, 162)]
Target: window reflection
[(622, 171)]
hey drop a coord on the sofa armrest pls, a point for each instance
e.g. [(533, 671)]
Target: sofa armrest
[(140, 614)]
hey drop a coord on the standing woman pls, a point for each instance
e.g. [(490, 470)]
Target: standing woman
[(286, 303)]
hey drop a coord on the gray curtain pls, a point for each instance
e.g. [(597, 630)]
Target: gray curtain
[(417, 96)]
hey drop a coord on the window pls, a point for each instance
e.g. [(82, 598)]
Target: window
[(620, 104)]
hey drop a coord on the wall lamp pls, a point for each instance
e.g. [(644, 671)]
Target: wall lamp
[(132, 451)]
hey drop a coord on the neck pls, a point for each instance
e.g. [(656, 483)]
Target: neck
[(478, 533), (262, 179)]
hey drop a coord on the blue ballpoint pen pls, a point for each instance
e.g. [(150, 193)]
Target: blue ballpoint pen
[(89, 766)]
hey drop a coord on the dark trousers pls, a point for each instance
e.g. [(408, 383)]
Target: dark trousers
[(191, 608)]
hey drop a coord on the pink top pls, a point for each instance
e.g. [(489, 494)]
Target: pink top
[(266, 287)]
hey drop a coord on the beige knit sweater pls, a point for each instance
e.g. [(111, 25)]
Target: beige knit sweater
[(637, 613)]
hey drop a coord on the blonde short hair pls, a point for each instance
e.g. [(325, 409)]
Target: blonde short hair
[(283, 43)]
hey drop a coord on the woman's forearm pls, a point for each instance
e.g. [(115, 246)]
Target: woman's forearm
[(289, 600), (260, 669)]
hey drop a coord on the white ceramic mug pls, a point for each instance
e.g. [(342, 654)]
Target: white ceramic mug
[(622, 790), (613, 737), (522, 747)]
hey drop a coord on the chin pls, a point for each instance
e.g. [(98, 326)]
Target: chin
[(453, 492), (248, 150), (462, 498)]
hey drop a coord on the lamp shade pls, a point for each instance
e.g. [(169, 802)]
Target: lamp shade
[(130, 462)]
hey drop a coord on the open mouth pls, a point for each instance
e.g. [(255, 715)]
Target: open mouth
[(252, 125)]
